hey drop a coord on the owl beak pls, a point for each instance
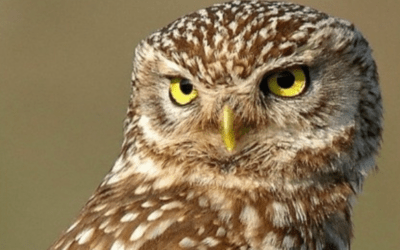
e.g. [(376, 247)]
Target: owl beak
[(227, 131)]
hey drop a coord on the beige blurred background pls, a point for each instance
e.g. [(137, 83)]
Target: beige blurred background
[(64, 87)]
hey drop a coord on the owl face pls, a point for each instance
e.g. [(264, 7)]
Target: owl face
[(249, 89)]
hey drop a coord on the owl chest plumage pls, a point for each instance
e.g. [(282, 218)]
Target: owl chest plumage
[(136, 216)]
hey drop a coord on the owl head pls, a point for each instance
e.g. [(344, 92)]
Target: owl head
[(256, 94)]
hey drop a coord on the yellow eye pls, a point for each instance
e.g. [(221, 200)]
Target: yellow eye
[(288, 83), (182, 91)]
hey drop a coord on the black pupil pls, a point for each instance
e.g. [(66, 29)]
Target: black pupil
[(285, 80), (185, 86)]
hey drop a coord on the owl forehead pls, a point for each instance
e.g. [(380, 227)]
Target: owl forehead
[(235, 38)]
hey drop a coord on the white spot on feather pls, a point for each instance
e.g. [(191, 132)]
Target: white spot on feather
[(201, 230), (59, 243), (114, 179), (139, 231), (288, 242), (144, 166), (111, 212), (281, 216), (99, 207), (111, 228), (300, 212), (210, 241), (225, 215), (141, 189), (233, 26), (73, 226), (203, 201), (250, 217), (165, 197), (104, 224), (165, 182), (129, 217), (187, 242), (84, 236), (118, 164), (150, 134), (155, 215), (140, 166), (172, 205), (270, 241), (221, 232), (190, 195), (148, 204), (160, 228), (118, 245), (67, 245)]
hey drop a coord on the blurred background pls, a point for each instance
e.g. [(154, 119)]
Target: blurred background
[(64, 88)]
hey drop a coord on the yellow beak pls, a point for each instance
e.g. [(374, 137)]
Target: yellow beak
[(227, 132)]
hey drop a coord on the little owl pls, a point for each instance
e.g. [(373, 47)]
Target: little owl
[(251, 125)]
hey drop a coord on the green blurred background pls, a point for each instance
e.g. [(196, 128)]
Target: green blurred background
[(64, 88)]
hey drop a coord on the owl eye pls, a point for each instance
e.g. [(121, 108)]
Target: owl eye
[(181, 91), (287, 83)]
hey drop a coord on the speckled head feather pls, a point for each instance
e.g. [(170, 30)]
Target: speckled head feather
[(297, 162)]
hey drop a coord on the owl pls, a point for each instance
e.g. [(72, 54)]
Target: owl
[(251, 125)]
